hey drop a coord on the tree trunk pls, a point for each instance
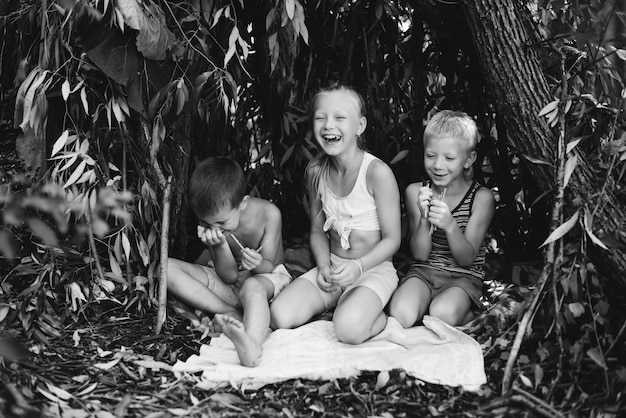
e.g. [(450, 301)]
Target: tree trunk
[(505, 46)]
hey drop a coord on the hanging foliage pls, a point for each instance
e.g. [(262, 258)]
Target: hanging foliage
[(108, 99)]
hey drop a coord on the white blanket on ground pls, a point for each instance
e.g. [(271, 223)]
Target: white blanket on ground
[(435, 353)]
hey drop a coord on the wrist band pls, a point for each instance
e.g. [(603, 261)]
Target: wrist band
[(359, 264)]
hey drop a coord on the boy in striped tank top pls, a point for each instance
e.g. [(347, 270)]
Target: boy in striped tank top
[(448, 218)]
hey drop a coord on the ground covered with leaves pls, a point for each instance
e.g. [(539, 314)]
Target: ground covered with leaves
[(115, 366), (110, 364)]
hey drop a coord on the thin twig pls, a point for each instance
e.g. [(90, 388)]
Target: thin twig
[(557, 218), (519, 336), (92, 244), (237, 241), (165, 223), (184, 35), (617, 338), (518, 390), (605, 184), (441, 196), (502, 336), (166, 186), (535, 404), (43, 31), (129, 270)]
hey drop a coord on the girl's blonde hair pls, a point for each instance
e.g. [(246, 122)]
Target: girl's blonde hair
[(320, 165)]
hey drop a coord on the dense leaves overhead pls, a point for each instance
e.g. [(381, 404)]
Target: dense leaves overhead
[(103, 101)]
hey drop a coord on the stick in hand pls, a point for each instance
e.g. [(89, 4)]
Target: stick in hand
[(242, 247), (237, 241), (441, 196)]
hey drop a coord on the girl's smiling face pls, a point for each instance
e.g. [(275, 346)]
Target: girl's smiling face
[(446, 158), (337, 122)]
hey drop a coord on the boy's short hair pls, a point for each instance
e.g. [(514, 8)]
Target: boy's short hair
[(455, 124), (217, 182)]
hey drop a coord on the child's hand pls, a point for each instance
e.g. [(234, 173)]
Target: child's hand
[(424, 198), (250, 259), (324, 281), (346, 274), (211, 236), (439, 214)]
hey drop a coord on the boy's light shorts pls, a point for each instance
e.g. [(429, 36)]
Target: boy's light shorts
[(229, 293), (381, 279), (440, 280)]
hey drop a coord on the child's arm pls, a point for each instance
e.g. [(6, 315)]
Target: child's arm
[(263, 259), (387, 197), (464, 247), (223, 259), (417, 199)]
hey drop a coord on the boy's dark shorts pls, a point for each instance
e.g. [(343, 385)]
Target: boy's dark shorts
[(440, 280)]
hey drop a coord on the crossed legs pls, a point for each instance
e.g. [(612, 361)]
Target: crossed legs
[(190, 283)]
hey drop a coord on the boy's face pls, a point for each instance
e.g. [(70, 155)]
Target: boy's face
[(337, 121), (446, 158), (226, 219)]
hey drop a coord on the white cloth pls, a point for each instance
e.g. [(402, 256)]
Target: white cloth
[(435, 353)]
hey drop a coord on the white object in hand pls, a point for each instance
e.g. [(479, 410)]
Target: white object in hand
[(441, 196)]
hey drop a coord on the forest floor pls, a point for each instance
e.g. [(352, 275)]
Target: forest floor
[(112, 365), (118, 368)]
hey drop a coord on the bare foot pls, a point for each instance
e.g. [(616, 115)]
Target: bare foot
[(248, 350), (233, 314), (217, 326)]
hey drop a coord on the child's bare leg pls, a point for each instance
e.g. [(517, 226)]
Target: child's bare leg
[(359, 316), (248, 336), (189, 283), (296, 304), (410, 302), (451, 306)]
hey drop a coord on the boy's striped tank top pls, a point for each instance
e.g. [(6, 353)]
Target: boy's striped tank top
[(440, 255)]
